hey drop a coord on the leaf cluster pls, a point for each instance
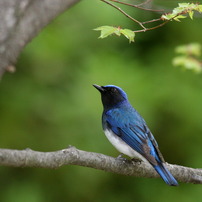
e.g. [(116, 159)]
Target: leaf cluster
[(177, 13), (181, 11), (189, 57)]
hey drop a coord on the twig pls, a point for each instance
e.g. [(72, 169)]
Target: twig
[(151, 28), (137, 6), (134, 20), (73, 156), (150, 21), (146, 22), (145, 2), (127, 15)]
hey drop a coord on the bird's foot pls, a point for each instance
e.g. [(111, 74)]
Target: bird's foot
[(120, 157), (135, 160)]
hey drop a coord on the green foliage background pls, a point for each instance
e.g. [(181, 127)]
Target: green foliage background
[(49, 103)]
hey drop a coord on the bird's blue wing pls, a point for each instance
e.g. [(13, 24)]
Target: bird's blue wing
[(132, 129)]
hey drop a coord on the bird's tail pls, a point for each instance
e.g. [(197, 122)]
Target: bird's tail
[(166, 175)]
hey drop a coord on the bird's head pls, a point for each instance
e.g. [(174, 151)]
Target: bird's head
[(112, 96)]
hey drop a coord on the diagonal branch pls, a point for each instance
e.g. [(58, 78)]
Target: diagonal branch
[(127, 15), (144, 2), (138, 6), (135, 20), (73, 156)]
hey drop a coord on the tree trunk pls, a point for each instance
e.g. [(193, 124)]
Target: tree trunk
[(21, 21)]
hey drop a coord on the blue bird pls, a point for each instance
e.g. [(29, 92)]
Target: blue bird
[(128, 132)]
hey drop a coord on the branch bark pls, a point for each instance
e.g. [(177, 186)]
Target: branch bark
[(73, 156), (21, 21)]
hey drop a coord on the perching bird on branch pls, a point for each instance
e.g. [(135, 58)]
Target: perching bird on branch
[(128, 131)]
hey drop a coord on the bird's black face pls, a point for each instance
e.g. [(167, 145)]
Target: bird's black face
[(111, 95)]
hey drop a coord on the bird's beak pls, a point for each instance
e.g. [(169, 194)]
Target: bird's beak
[(100, 88)]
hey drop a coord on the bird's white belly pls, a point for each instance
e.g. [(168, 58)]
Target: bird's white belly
[(121, 146)]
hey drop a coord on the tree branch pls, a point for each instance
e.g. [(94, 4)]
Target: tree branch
[(21, 21), (138, 6), (73, 156), (123, 12)]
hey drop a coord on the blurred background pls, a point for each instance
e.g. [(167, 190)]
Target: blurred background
[(49, 103)]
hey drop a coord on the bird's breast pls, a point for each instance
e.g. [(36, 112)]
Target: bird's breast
[(121, 146)]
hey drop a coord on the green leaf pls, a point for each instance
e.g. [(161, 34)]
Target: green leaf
[(189, 57), (129, 34), (193, 49), (191, 13), (177, 18), (181, 11), (187, 63), (199, 8), (183, 5), (172, 17), (106, 31), (167, 17), (109, 30)]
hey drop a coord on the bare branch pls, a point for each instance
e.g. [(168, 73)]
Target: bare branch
[(144, 2), (164, 20), (73, 156), (150, 21), (127, 15), (151, 28), (138, 6), (133, 19)]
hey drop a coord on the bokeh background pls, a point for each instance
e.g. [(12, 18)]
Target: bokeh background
[(49, 103)]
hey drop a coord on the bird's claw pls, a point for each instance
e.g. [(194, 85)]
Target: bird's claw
[(120, 157), (135, 160)]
